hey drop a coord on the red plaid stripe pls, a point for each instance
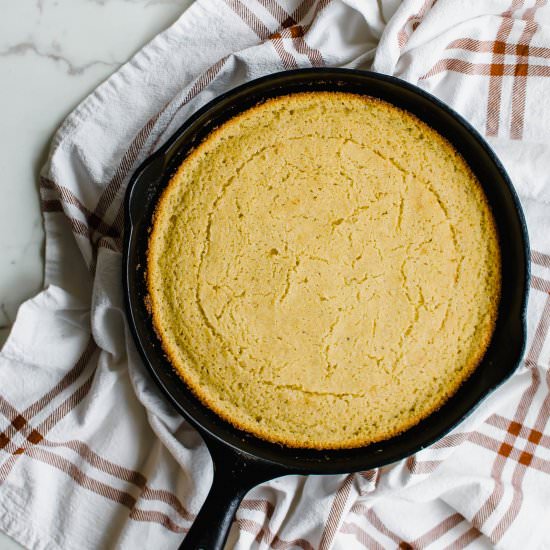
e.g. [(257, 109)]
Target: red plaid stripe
[(33, 435), (361, 536), (520, 82), (413, 23), (289, 26), (293, 30), (92, 227), (515, 454), (372, 517), (34, 440), (431, 536), (520, 70), (491, 504), (540, 259), (336, 513), (464, 540), (263, 31), (497, 63), (263, 535), (103, 489), (438, 531), (525, 459), (502, 423)]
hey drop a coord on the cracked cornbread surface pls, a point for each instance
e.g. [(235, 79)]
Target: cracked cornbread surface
[(324, 270)]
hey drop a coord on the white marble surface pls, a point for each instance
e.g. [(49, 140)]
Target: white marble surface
[(52, 54)]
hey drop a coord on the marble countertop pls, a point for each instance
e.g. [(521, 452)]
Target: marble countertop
[(53, 53)]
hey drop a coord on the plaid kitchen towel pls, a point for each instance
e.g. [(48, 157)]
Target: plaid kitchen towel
[(91, 456)]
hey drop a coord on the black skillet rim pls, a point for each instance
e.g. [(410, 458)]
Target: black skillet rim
[(307, 460)]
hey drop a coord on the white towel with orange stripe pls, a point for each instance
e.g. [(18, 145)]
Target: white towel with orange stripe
[(91, 456)]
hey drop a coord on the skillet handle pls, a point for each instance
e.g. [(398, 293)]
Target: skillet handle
[(234, 475)]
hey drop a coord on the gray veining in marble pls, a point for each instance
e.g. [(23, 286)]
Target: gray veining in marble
[(53, 53), (72, 69)]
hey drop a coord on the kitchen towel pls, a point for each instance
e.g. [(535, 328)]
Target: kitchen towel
[(91, 455)]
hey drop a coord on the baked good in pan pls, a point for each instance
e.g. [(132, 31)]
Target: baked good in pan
[(324, 270)]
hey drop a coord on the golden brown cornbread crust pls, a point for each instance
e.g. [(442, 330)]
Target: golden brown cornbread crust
[(324, 270)]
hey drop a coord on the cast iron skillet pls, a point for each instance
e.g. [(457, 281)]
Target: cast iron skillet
[(242, 461)]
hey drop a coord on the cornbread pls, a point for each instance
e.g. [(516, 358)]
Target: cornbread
[(324, 270)]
